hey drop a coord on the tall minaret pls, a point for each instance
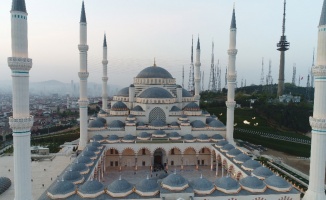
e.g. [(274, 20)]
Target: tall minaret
[(21, 122), (105, 75), (232, 79), (316, 189), (282, 46), (83, 75), (197, 72)]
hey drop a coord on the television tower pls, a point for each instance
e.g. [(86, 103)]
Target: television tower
[(212, 75), (262, 76), (219, 84), (294, 73), (282, 46)]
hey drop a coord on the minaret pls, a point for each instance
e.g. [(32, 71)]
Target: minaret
[(282, 46), (105, 75), (232, 79), (316, 190), (197, 72), (83, 75), (21, 121)]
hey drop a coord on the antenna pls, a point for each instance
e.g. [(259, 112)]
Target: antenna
[(183, 76), (262, 76), (294, 74)]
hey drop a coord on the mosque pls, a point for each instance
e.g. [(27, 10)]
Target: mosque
[(155, 124)]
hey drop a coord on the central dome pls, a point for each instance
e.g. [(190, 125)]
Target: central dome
[(154, 72), (155, 92)]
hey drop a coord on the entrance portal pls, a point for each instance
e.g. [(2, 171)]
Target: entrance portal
[(158, 160)]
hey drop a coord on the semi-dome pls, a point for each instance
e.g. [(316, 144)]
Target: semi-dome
[(119, 188), (147, 187), (185, 93), (241, 158), (217, 137), (61, 190), (227, 185), (91, 189), (216, 123), (79, 167), (175, 109), (250, 165), (138, 108), (158, 123), (233, 152), (222, 143), (73, 176), (5, 183), (116, 124), (197, 124), (174, 182), (192, 106), (155, 92), (252, 184), (96, 124), (262, 172), (202, 186), (119, 106), (154, 72), (277, 183), (124, 92), (227, 147)]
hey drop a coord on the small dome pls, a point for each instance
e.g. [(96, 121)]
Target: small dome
[(178, 86), (278, 183), (216, 123), (162, 175), (227, 185), (154, 72), (217, 137), (174, 134), (120, 186), (203, 137), (98, 138), (62, 189), (84, 159), (214, 116), (131, 85), (128, 137), (241, 158), (124, 92), (174, 182), (93, 187), (192, 106), (5, 183), (174, 124), (209, 120), (262, 172), (251, 165), (140, 124), (144, 135), (73, 176), (205, 112), (233, 152), (89, 154), (252, 184), (92, 148), (188, 137), (113, 138), (138, 108), (155, 92), (175, 109), (147, 187), (158, 123), (79, 167), (96, 144), (202, 186), (227, 147), (222, 143), (118, 106), (116, 124), (102, 120), (102, 112), (96, 124), (198, 124), (159, 133), (185, 93), (131, 116), (184, 116)]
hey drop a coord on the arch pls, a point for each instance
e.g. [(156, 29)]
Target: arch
[(176, 152), (112, 151), (206, 150), (190, 149), (156, 113), (156, 148), (239, 175), (128, 151), (147, 151), (190, 156)]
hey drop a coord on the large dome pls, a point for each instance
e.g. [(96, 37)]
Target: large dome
[(155, 92), (154, 72)]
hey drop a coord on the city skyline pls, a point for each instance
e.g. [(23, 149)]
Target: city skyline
[(143, 30)]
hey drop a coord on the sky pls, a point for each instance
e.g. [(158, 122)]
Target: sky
[(139, 31)]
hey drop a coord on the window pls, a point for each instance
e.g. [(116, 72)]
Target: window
[(203, 151), (116, 163), (202, 162), (172, 162), (111, 151), (144, 151), (143, 163), (172, 151), (111, 163), (116, 151), (198, 162)]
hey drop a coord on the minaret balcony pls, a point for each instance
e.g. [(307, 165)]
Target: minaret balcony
[(20, 64), (105, 62), (319, 70), (318, 125), (83, 47), (83, 103), (230, 104), (21, 124), (232, 78), (232, 52), (83, 75), (105, 78)]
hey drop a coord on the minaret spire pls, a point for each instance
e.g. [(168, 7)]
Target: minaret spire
[(104, 41), (105, 75), (316, 190), (21, 121), (231, 80), (83, 14)]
